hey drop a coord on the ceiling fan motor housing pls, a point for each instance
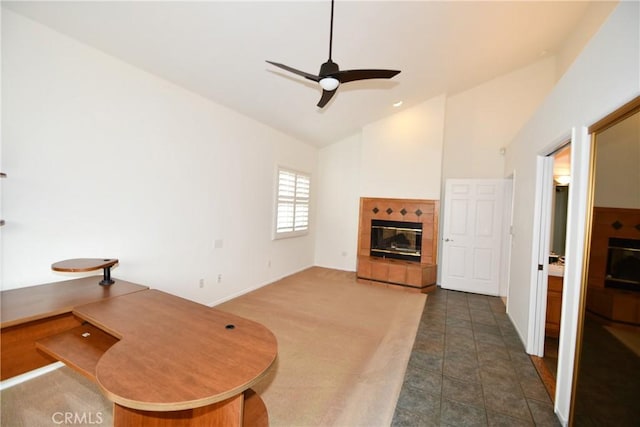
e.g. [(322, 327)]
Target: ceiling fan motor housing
[(328, 68)]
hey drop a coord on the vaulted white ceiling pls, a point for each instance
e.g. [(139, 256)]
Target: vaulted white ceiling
[(218, 49)]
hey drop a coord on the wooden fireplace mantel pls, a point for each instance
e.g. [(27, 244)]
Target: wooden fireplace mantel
[(413, 275)]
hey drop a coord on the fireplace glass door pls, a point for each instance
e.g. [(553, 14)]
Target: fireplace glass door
[(623, 264), (396, 239)]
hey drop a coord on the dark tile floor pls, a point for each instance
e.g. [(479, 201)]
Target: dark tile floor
[(608, 380), (468, 367)]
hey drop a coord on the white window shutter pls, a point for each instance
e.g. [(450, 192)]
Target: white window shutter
[(292, 215)]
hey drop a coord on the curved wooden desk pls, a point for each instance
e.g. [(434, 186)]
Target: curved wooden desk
[(167, 360), (35, 312)]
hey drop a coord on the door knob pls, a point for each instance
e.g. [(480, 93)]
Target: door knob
[(448, 240)]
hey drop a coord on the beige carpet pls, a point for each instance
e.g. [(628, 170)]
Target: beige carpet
[(61, 397), (343, 348)]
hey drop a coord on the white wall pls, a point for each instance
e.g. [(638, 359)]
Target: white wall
[(618, 165), (402, 153), (603, 77), (482, 120), (105, 160), (338, 201), (595, 14)]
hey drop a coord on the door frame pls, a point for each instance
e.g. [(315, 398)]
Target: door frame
[(507, 237), (573, 269)]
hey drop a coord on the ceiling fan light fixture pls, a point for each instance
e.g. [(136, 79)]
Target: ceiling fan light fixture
[(329, 83)]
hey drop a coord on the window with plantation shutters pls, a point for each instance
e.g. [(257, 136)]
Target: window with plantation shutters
[(292, 212)]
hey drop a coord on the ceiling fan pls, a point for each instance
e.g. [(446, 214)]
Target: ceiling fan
[(330, 76)]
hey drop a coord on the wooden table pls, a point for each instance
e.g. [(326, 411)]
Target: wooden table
[(167, 361), (173, 359), (31, 313)]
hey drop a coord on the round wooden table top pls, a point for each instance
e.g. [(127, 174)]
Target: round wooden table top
[(174, 354), (83, 264)]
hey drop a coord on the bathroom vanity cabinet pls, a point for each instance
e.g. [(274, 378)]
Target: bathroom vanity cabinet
[(554, 306)]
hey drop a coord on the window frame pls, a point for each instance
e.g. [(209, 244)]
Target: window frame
[(297, 202)]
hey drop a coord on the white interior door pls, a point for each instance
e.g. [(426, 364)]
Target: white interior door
[(472, 235)]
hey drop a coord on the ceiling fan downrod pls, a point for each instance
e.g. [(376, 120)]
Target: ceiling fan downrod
[(331, 31)]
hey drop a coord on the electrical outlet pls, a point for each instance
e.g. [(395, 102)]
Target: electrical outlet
[(201, 282), (219, 278)]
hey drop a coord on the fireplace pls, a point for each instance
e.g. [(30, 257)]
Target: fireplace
[(396, 239), (623, 264)]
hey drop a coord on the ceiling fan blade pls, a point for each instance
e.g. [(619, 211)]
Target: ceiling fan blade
[(294, 71), (326, 97), (353, 75)]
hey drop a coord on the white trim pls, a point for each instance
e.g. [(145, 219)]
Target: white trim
[(19, 379), (507, 235), (576, 234)]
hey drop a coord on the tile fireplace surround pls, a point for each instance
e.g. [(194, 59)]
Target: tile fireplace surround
[(612, 304), (412, 275)]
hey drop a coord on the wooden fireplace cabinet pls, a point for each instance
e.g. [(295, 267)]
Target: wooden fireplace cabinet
[(412, 275)]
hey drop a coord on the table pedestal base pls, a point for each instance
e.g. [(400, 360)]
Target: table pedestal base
[(245, 410)]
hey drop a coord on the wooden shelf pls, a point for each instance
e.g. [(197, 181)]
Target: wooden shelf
[(88, 264), (83, 264), (80, 348)]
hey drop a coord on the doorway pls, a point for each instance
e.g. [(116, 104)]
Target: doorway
[(555, 272), (554, 173)]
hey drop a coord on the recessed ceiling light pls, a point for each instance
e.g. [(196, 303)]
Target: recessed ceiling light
[(397, 104)]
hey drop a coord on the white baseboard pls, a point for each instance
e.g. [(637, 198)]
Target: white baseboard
[(246, 291)]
